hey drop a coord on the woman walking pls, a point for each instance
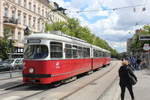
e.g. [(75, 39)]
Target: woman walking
[(124, 73)]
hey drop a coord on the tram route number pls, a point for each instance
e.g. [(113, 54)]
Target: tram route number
[(34, 41)]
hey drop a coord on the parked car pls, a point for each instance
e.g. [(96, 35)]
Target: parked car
[(19, 64), (11, 64), (5, 65)]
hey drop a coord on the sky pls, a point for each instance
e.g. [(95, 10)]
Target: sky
[(114, 26)]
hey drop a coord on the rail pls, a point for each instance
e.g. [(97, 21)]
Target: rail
[(49, 87)]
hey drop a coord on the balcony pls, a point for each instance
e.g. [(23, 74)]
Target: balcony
[(10, 21)]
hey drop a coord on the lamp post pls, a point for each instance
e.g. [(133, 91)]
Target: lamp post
[(10, 56)]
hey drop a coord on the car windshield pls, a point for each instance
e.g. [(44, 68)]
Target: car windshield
[(36, 52), (17, 61)]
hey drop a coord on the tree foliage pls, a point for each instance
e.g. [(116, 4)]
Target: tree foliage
[(4, 48), (138, 44), (6, 45), (73, 28)]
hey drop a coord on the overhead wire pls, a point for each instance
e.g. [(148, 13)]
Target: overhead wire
[(137, 24), (143, 9), (113, 9)]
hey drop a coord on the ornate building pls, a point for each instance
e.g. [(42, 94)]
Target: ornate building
[(17, 15)]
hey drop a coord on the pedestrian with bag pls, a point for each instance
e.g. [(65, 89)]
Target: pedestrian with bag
[(127, 79)]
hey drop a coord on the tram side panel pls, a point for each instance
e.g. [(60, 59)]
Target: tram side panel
[(46, 72), (69, 68), (107, 60), (98, 62)]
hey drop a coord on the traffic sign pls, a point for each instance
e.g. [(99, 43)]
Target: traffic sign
[(144, 37), (146, 47)]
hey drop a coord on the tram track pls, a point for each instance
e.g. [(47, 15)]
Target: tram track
[(10, 89), (34, 94), (71, 93), (80, 88), (23, 90)]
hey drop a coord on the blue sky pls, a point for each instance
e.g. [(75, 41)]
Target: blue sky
[(112, 26), (67, 0), (94, 19)]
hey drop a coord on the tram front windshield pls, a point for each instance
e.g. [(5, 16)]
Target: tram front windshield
[(36, 52)]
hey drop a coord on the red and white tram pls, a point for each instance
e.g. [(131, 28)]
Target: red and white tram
[(51, 57)]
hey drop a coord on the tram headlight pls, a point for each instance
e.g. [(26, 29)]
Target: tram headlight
[(31, 70)]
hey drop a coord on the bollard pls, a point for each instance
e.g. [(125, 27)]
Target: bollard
[(10, 72)]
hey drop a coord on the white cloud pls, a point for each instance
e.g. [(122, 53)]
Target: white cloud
[(120, 46), (116, 27)]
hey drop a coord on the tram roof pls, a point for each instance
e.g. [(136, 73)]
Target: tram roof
[(58, 36)]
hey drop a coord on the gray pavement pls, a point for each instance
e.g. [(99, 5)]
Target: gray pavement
[(113, 92), (11, 74), (141, 89)]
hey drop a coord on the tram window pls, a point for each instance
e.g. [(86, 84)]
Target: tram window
[(101, 54), (79, 52), (56, 50), (107, 54), (68, 46), (104, 54), (86, 52), (68, 51), (75, 53), (95, 53), (35, 52)]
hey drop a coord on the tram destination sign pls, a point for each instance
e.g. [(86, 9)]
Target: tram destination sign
[(34, 41), (144, 37)]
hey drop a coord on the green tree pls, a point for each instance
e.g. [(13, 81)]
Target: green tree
[(138, 44), (73, 28), (6, 45)]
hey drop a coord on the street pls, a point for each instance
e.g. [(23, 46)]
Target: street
[(88, 87)]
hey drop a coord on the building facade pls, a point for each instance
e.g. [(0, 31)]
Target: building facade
[(129, 41), (139, 53), (18, 15)]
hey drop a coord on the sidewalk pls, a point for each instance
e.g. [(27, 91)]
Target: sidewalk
[(142, 88)]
